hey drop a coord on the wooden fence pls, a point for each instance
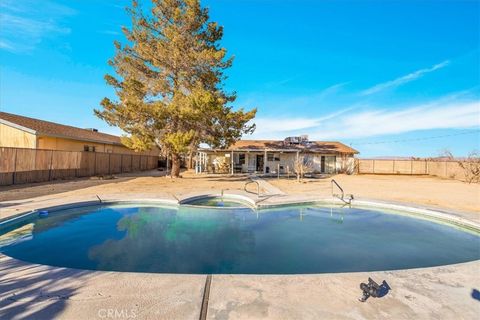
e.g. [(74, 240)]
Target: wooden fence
[(444, 169), (31, 165)]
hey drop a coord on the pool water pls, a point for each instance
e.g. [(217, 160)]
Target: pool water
[(285, 240)]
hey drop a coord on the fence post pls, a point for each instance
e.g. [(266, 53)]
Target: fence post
[(411, 167), (14, 166), (95, 164), (50, 166), (109, 169), (393, 170), (77, 165), (426, 166), (121, 163), (373, 167)]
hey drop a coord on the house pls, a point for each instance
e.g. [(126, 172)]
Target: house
[(22, 132), (277, 156)]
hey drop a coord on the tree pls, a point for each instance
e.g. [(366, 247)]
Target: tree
[(302, 165), (169, 82)]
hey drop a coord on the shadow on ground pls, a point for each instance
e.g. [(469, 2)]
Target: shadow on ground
[(30, 190), (34, 291), (220, 178)]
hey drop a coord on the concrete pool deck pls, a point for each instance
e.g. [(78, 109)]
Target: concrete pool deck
[(44, 292)]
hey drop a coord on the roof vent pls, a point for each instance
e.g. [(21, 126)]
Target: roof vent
[(92, 129)]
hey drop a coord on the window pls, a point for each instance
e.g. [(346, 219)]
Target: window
[(241, 158), (89, 148), (273, 157)]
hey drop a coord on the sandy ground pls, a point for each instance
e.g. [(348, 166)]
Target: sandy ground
[(151, 182), (422, 190)]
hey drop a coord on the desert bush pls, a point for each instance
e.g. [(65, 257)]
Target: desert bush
[(348, 167), (222, 165), (470, 165), (301, 166)]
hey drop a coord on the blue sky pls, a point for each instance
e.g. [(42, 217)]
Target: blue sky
[(385, 76)]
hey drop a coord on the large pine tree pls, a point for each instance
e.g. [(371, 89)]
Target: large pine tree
[(169, 82)]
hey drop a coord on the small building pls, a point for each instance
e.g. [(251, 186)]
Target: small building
[(23, 132), (277, 157)]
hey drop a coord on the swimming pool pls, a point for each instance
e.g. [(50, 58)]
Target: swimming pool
[(283, 240)]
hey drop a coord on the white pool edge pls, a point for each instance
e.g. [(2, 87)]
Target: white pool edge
[(428, 213)]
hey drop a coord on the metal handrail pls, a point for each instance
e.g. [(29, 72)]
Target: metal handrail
[(342, 196), (338, 186), (253, 181)]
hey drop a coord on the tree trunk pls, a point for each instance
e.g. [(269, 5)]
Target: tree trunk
[(190, 159), (175, 173)]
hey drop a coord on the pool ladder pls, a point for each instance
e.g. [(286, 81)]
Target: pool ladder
[(253, 181), (346, 198)]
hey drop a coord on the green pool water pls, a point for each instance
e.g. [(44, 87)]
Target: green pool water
[(285, 240)]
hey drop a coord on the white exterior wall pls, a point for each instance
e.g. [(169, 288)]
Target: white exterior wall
[(287, 161), (315, 161)]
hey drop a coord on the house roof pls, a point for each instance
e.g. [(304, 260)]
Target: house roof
[(280, 145), (52, 129)]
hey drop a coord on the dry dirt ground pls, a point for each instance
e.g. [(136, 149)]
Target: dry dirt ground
[(153, 182), (422, 190)]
